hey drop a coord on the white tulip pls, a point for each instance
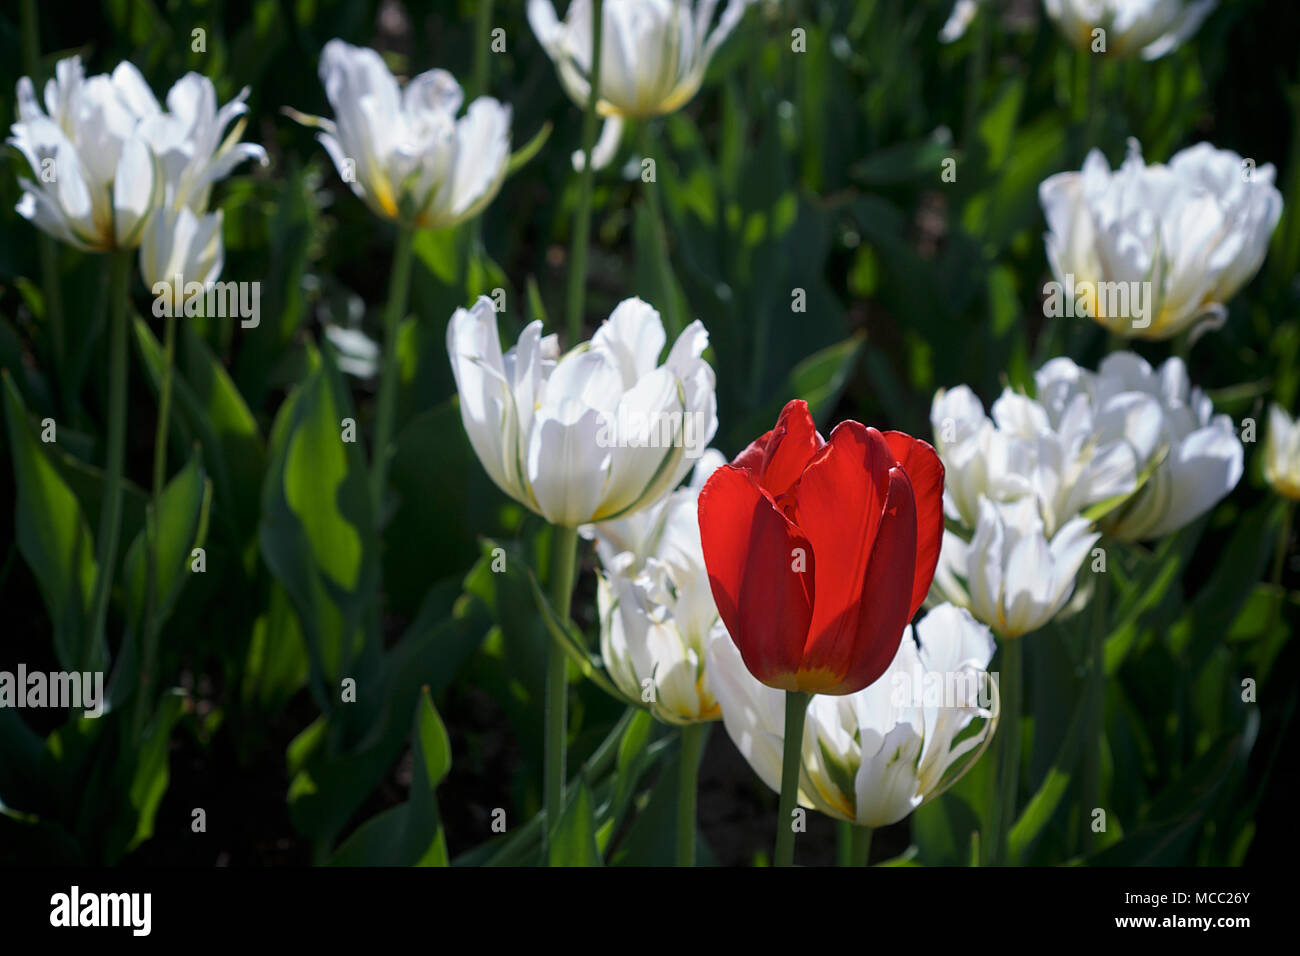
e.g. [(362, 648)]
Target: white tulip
[(1282, 453), (95, 179), (1023, 451), (1192, 458), (1172, 243), (656, 605), (1015, 578), (597, 434), (652, 59), (190, 139), (1150, 28), (180, 248), (873, 757), (403, 151)]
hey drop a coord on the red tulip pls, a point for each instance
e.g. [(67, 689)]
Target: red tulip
[(820, 552)]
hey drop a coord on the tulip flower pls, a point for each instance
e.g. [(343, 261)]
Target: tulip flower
[(1011, 575), (1059, 458), (1148, 28), (1282, 453), (95, 179), (1152, 251), (1190, 457), (178, 248), (593, 435), (115, 171), (404, 152), (653, 56), (819, 552), (656, 615), (656, 608), (872, 757)]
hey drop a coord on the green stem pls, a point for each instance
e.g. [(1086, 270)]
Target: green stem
[(110, 516), (853, 844), (149, 635), (694, 737), (582, 220), (796, 710), (671, 314), (976, 68), (861, 845), (1279, 559), (564, 551), (1096, 707), (482, 46), (398, 286), (1009, 686)]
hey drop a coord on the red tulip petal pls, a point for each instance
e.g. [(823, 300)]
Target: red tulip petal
[(925, 472), (840, 501), (885, 612), (779, 457), (749, 551)]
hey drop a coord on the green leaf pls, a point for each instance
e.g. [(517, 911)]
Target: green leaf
[(182, 526), (317, 532), (1045, 801), (152, 766), (524, 154), (210, 410), (52, 533), (410, 834), (573, 843)]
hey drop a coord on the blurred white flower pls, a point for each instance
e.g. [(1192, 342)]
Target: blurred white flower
[(190, 140), (873, 757), (596, 434), (1184, 237), (1150, 28), (180, 247), (652, 59), (963, 12), (656, 605), (117, 171), (1011, 575), (1282, 453), (403, 151), (96, 181), (358, 352), (1193, 457)]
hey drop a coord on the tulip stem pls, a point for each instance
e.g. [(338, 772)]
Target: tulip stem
[(582, 220), (110, 516), (398, 285), (1279, 559), (853, 844), (564, 550), (668, 292), (1009, 687), (796, 710), (1096, 709), (153, 522), (694, 737)]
